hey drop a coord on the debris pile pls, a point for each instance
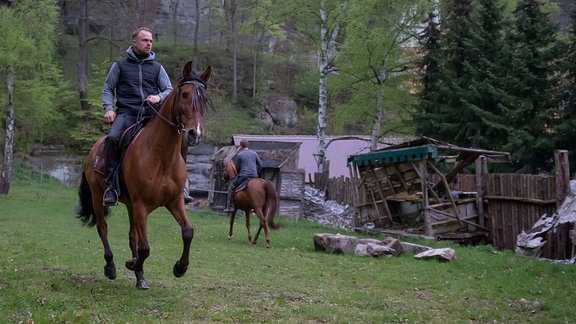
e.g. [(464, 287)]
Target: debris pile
[(328, 213)]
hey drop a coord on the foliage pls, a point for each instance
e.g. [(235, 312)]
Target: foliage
[(493, 87), (374, 62), (28, 42), (52, 272), (565, 131), (476, 91), (534, 86)]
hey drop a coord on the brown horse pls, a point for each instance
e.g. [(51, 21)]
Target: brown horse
[(153, 172), (258, 195)]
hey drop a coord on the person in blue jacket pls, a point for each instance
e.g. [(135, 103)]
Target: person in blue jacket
[(135, 80)]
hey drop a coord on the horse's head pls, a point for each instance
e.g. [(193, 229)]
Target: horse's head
[(229, 172), (192, 101)]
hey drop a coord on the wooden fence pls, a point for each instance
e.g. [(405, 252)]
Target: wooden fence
[(512, 203)]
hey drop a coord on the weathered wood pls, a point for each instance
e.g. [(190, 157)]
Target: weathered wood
[(522, 199), (562, 175), (506, 203), (456, 213), (481, 172)]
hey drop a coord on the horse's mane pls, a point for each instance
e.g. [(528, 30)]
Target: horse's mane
[(201, 101)]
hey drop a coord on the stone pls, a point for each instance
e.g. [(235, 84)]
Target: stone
[(394, 244), (444, 254), (361, 250), (335, 243), (414, 248), (282, 110), (378, 250)]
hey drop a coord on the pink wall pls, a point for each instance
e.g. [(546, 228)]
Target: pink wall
[(337, 152)]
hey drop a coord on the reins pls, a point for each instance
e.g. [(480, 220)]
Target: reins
[(179, 128), (178, 125)]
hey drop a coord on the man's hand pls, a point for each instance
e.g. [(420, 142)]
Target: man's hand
[(109, 116), (153, 99)]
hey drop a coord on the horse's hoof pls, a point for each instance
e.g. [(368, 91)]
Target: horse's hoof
[(229, 237), (142, 285), (110, 271), (130, 264), (179, 270)]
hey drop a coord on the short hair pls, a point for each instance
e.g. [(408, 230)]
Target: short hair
[(137, 31), (244, 143)]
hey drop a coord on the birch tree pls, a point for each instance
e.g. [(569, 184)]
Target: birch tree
[(320, 21), (26, 45), (375, 62)]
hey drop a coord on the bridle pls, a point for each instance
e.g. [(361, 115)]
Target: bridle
[(180, 128)]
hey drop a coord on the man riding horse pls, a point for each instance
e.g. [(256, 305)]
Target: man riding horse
[(248, 165), (135, 80)]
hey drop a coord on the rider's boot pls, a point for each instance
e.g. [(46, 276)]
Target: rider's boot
[(112, 157), (184, 152), (229, 200), (187, 198)]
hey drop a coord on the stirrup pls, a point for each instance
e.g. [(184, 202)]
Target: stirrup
[(110, 197), (187, 198)]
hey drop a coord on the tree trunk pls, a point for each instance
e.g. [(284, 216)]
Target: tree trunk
[(377, 119), (323, 65), (174, 6), (83, 54), (196, 33), (232, 15), (255, 40), (6, 168)]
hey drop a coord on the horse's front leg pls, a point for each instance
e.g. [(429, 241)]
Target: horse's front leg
[(139, 246), (179, 213), (231, 230)]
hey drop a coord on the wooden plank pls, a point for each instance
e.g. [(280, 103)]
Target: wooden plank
[(456, 212), (384, 203)]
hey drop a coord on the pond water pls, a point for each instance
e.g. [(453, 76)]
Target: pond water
[(65, 168)]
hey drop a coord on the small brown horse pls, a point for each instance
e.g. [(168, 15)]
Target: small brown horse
[(153, 172), (260, 196)]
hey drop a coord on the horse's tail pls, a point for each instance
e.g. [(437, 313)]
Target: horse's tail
[(85, 208), (272, 204)]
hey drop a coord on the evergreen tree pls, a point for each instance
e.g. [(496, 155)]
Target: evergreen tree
[(533, 83), (565, 132), (444, 104), (431, 81), (485, 98)]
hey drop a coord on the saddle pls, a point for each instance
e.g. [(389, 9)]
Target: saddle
[(243, 185), (99, 162)]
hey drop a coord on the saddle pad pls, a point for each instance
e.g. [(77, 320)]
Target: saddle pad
[(99, 161)]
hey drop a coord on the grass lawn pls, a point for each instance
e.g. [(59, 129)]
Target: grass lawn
[(51, 271)]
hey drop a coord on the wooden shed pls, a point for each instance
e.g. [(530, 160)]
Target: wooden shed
[(279, 164), (402, 188)]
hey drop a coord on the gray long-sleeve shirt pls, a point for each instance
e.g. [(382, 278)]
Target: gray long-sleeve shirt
[(248, 164)]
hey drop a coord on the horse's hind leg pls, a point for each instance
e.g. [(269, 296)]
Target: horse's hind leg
[(247, 215), (102, 228), (260, 215)]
